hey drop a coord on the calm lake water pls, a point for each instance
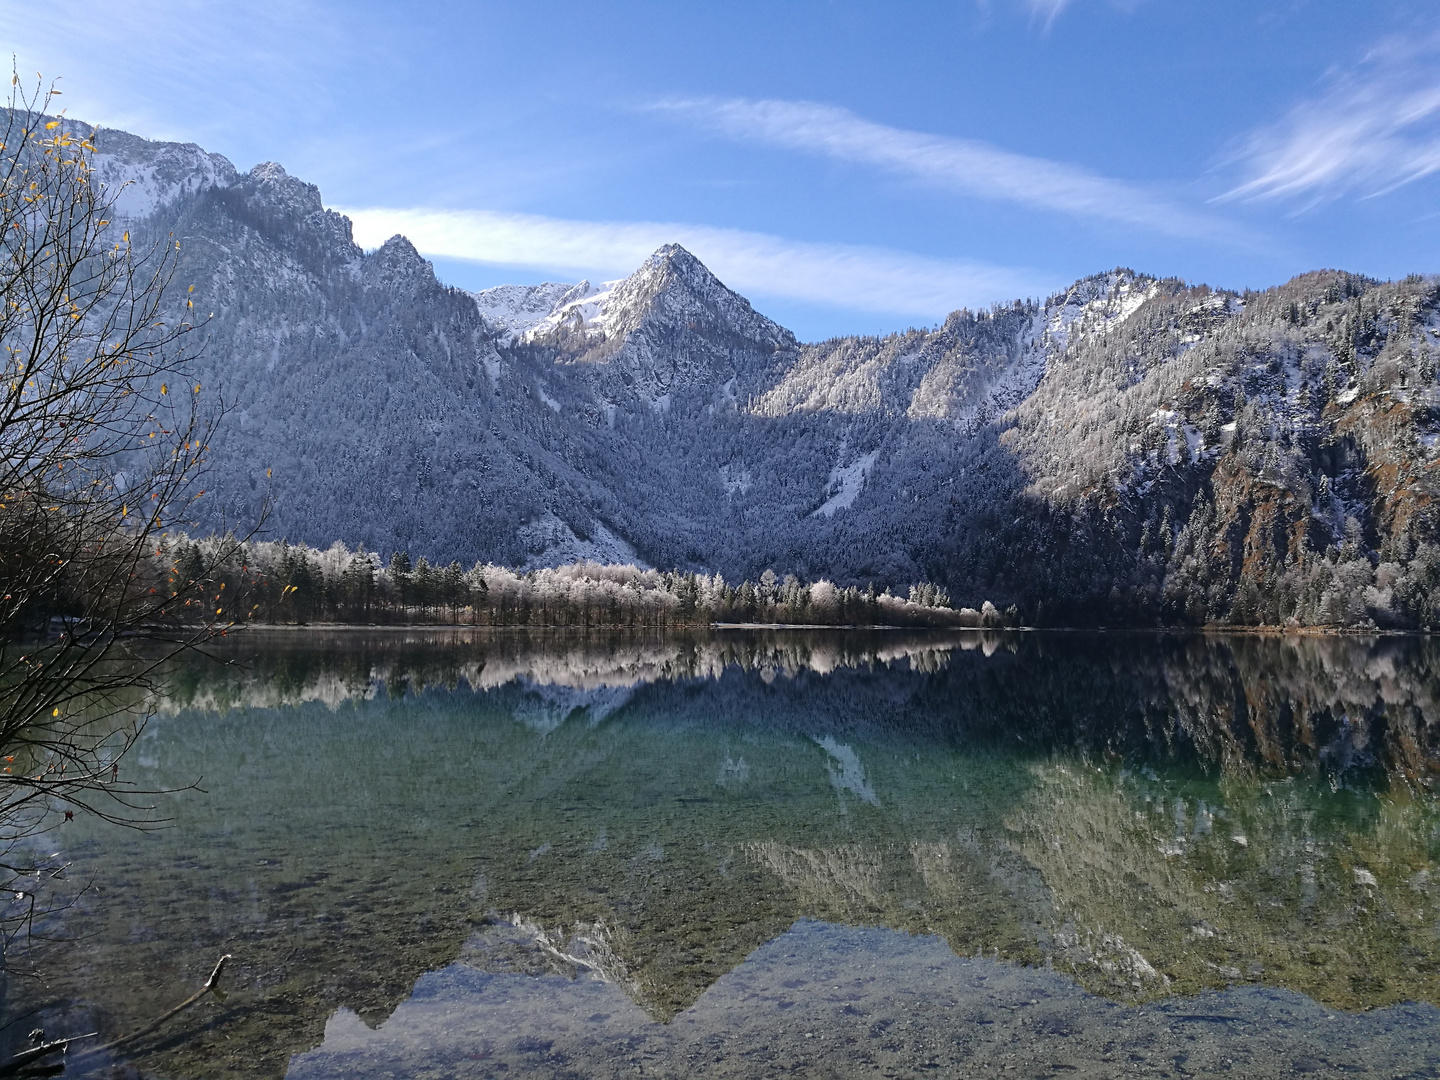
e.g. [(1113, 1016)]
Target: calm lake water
[(755, 853)]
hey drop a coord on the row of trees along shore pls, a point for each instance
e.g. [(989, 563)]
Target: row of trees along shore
[(278, 582)]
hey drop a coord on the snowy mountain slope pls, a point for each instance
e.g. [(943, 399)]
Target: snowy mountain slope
[(1250, 458), (1130, 448), (845, 483), (579, 309), (552, 542), (518, 309), (141, 175), (372, 395), (972, 369), (669, 331)]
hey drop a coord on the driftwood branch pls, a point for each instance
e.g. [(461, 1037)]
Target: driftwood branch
[(211, 985)]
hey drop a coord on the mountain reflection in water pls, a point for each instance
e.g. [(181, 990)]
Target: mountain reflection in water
[(1135, 819)]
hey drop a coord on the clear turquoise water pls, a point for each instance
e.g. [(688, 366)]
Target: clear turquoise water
[(766, 853)]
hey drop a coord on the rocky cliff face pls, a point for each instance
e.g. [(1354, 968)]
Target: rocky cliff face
[(372, 395), (1131, 449)]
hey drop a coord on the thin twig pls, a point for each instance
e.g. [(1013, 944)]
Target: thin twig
[(210, 985)]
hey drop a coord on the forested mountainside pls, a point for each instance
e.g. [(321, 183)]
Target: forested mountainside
[(1129, 450)]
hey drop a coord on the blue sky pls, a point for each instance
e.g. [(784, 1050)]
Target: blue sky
[(850, 167)]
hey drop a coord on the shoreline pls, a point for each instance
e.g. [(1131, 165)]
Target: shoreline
[(1257, 631)]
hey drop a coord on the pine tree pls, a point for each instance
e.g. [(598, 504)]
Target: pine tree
[(400, 578)]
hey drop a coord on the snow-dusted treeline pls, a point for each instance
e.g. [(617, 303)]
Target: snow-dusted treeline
[(278, 582)]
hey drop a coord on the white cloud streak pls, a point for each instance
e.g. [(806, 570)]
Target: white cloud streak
[(1377, 128), (1046, 11), (755, 264), (965, 166)]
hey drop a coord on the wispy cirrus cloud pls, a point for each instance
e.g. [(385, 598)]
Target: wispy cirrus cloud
[(964, 166), (1376, 128), (1042, 12), (757, 264), (206, 67), (1046, 11)]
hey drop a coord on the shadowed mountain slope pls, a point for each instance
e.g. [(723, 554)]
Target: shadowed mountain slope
[(1130, 449)]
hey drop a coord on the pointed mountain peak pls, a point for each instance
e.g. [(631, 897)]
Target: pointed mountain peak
[(669, 332), (268, 184), (397, 265), (673, 286), (269, 172), (677, 256), (672, 298), (672, 264)]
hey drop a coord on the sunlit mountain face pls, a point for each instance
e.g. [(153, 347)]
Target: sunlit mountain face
[(1130, 450), (560, 852)]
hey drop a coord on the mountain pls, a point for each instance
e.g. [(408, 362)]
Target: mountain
[(518, 309), (1129, 450)]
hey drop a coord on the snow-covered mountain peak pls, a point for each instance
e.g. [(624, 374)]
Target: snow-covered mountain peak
[(269, 172), (672, 263), (670, 286), (670, 270), (396, 266), (141, 175), (670, 330), (581, 291), (517, 309), (527, 313), (582, 313), (673, 288), (273, 186)]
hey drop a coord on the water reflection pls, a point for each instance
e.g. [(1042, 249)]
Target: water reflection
[(824, 1000), (1149, 817)]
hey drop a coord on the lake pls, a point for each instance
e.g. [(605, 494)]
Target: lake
[(766, 852)]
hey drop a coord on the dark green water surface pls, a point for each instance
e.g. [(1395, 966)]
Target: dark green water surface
[(755, 853)]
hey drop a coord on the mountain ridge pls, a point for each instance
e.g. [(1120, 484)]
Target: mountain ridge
[(1130, 449)]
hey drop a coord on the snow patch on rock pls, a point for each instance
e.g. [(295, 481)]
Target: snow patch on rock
[(845, 483), (516, 309), (583, 308)]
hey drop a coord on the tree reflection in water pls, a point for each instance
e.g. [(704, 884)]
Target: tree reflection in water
[(1148, 815)]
